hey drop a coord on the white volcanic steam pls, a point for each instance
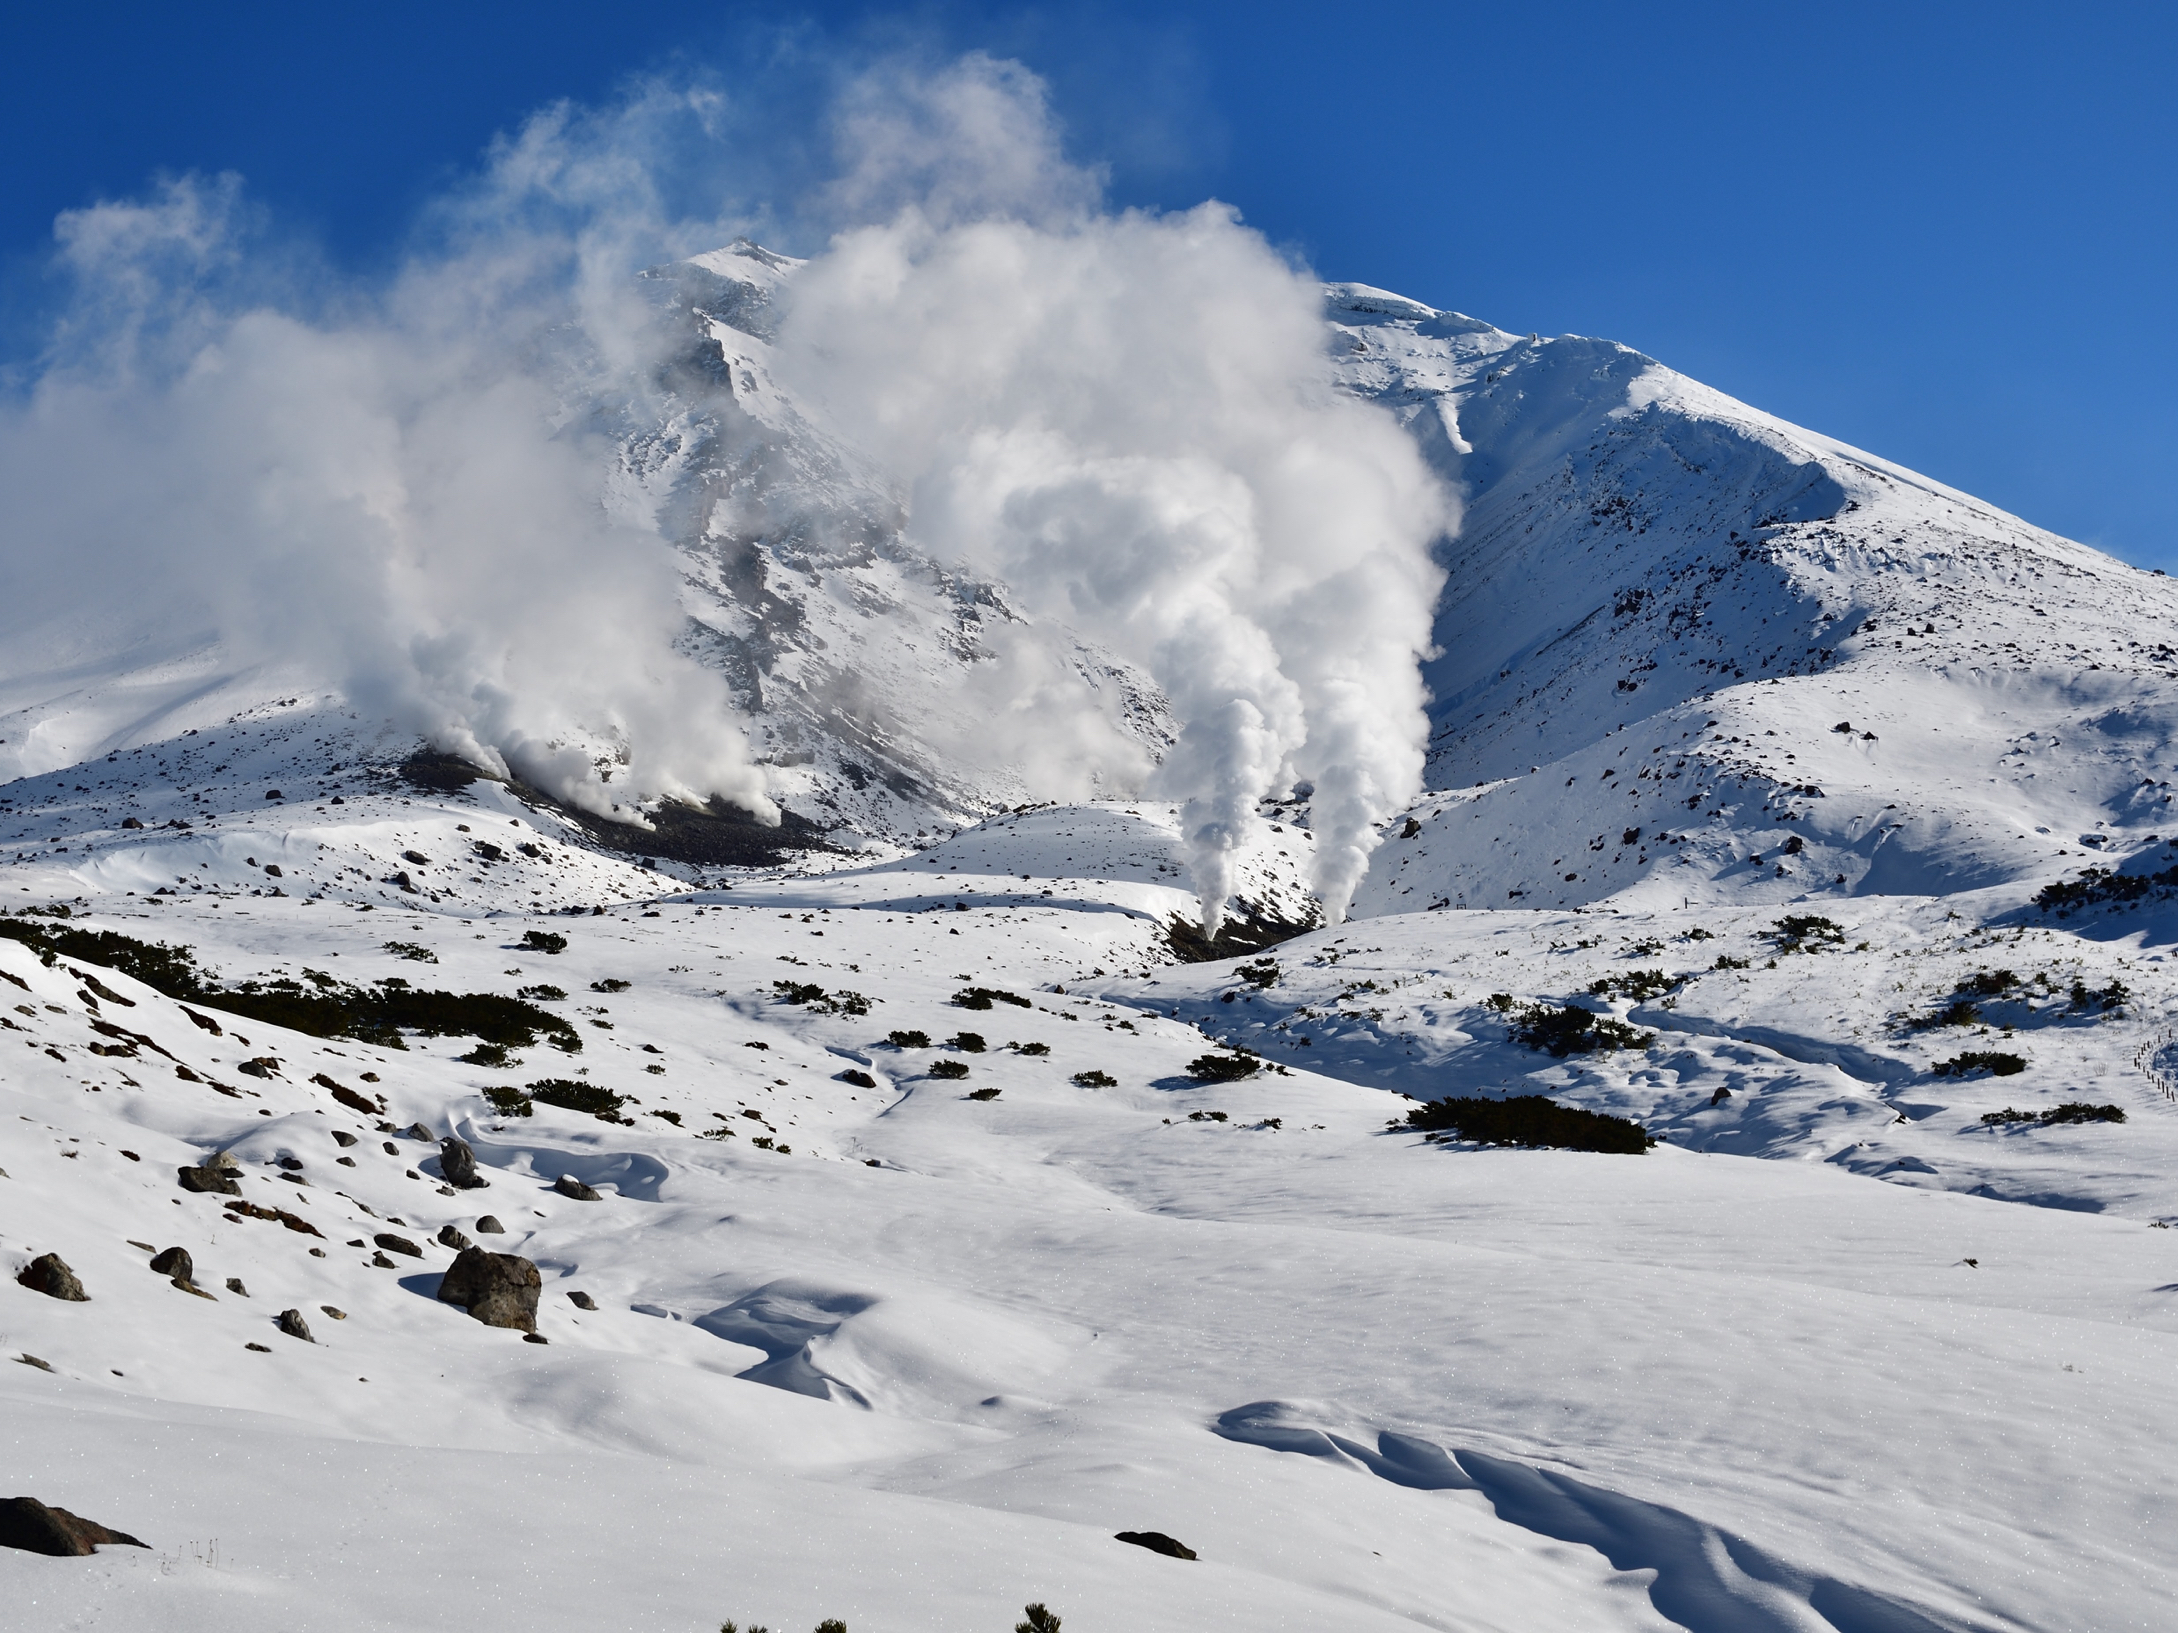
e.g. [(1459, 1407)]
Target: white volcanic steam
[(1127, 417)]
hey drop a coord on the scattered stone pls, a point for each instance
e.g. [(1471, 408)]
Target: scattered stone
[(489, 1225), (416, 1131), (458, 1163), (378, 1261), (144, 1246), (337, 1315), (582, 1301), (293, 1324), (262, 1066), (451, 1236), (397, 1244), (30, 1360), (49, 1274), (261, 1349), (342, 1138), (1157, 1543), (234, 1286), (498, 1289), (359, 1242), (535, 1338), (210, 1179), (175, 1262), (568, 1185), (28, 1524)]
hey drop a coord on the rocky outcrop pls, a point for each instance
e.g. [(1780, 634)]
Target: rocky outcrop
[(498, 1289), (28, 1524), (569, 1186), (49, 1274)]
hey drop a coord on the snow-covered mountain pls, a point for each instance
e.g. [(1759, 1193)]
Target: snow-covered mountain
[(896, 1249)]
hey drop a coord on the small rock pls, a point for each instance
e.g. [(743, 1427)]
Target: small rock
[(1157, 1543), (451, 1236), (397, 1244), (568, 1185), (416, 1131), (293, 1324), (210, 1179), (378, 1261), (489, 1225), (498, 1289), (261, 1349), (392, 1150), (262, 1066), (28, 1524), (458, 1163), (175, 1262), (582, 1301), (535, 1338), (337, 1315), (341, 1137), (30, 1360), (49, 1274), (234, 1286)]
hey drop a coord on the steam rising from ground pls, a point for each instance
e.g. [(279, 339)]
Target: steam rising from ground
[(1127, 418)]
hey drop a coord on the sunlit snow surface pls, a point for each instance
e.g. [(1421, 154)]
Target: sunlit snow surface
[(916, 1371)]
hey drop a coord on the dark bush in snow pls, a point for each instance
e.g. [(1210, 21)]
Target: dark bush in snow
[(1532, 1121)]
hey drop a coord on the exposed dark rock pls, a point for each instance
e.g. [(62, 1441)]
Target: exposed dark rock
[(28, 1524), (262, 1066), (1157, 1543), (417, 1131), (1251, 932), (535, 1338), (458, 1163), (397, 1244), (490, 1226), (498, 1289), (337, 1315), (568, 1185), (209, 1178), (49, 1274), (378, 1261), (175, 1262), (451, 1236), (342, 1138), (234, 1286), (582, 1301), (293, 1324), (261, 1349), (30, 1360)]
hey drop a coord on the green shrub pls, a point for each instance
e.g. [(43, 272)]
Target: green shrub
[(1570, 1031), (2100, 1000), (2099, 887), (1725, 961), (983, 1094), (1980, 1060), (1532, 1121), (949, 1068), (1096, 1080), (541, 994), (508, 1102), (2072, 1111), (969, 1043), (411, 950), (1223, 1068), (984, 997), (1262, 973), (543, 941), (909, 1040), (611, 983), (1803, 933), (573, 1094), (1956, 1013), (1988, 983), (487, 1054), (818, 1000), (1032, 1048), (1037, 1620), (1640, 985)]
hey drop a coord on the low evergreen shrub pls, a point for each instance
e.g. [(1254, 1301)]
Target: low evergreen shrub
[(949, 1068), (543, 941), (969, 1043), (1980, 1060), (1533, 1122), (1569, 1031), (1223, 1068), (573, 1094), (909, 1040), (1096, 1080)]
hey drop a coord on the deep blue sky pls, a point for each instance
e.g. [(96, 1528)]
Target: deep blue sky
[(1945, 233)]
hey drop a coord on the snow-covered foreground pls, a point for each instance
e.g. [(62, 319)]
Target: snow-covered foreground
[(914, 1361)]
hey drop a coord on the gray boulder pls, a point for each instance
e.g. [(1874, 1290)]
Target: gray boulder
[(498, 1289), (458, 1163), (175, 1262), (210, 1178), (293, 1324), (397, 1244), (451, 1236), (49, 1274), (569, 1186), (489, 1225)]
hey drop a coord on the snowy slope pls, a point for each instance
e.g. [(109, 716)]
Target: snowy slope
[(1837, 1354)]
